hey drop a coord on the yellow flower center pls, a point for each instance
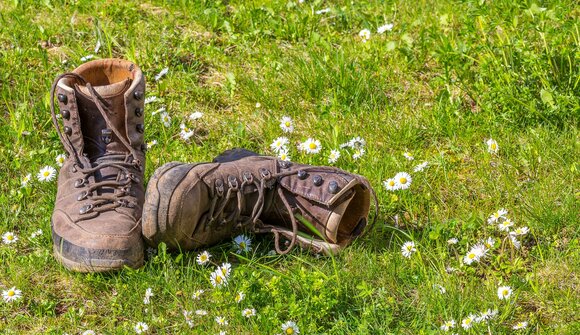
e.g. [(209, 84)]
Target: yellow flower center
[(224, 271), (218, 279), (505, 292), (493, 146), (471, 256), (11, 293), (287, 124), (403, 180), (203, 258), (46, 173), (468, 321), (10, 238), (311, 146), (392, 183), (243, 245), (290, 331)]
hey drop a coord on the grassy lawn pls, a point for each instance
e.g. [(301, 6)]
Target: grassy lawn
[(447, 77)]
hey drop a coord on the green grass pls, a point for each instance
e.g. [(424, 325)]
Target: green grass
[(450, 75)]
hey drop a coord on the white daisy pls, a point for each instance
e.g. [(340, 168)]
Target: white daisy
[(497, 215), (476, 252), (148, 295), (240, 296), (150, 99), (141, 327), (358, 153), (203, 258), (421, 167), (290, 327), (249, 312), (311, 146), (225, 269), (504, 292), (11, 294), (161, 74), (323, 11), (365, 35), (520, 231), (334, 156), (488, 315), (166, 119), (201, 312), (452, 240), (447, 325), (188, 319), (98, 46), (408, 156), (242, 243), (468, 321), (89, 332), (505, 225), (441, 289), (286, 124), (279, 144), (520, 325), (60, 159), (9, 238), (87, 57), (221, 320), (258, 105), (492, 146), (408, 249), (217, 279), (403, 180), (47, 173), (151, 143), (195, 115), (197, 294), (390, 184), (489, 242), (517, 244), (185, 132), (36, 234), (356, 142), (283, 155), (26, 180), (385, 27)]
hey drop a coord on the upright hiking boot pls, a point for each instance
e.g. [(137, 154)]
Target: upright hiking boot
[(96, 224), (189, 206)]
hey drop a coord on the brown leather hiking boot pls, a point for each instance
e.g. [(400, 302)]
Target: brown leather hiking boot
[(96, 224), (190, 206)]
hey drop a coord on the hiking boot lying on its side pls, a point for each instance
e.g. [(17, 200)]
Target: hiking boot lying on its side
[(190, 206)]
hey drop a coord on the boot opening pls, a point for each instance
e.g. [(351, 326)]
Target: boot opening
[(350, 216)]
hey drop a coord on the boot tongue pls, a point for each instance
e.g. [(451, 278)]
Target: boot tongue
[(108, 173), (101, 138)]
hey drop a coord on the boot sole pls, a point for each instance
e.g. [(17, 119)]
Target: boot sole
[(155, 209), (85, 260)]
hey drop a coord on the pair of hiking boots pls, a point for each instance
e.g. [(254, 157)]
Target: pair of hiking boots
[(103, 216)]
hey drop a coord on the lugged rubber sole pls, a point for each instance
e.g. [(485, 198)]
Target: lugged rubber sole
[(85, 260)]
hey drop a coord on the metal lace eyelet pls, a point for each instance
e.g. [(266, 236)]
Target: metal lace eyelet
[(248, 177), (83, 195), (233, 182), (302, 174), (79, 182), (86, 209), (219, 187), (284, 164), (265, 173)]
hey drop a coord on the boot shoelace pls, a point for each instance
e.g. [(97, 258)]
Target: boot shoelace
[(216, 216), (104, 201)]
